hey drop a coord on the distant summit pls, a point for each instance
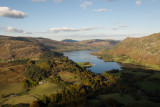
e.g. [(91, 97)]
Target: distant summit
[(69, 40)]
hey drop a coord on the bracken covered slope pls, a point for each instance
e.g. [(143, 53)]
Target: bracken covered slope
[(145, 49), (18, 49)]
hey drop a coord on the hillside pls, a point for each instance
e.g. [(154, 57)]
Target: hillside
[(18, 49), (31, 47), (144, 50), (100, 43), (69, 40)]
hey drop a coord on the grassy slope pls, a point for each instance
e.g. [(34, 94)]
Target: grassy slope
[(26, 99), (10, 77), (124, 99), (69, 77), (44, 89)]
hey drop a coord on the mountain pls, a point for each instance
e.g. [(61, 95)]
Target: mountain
[(145, 50), (27, 47), (69, 40), (100, 43)]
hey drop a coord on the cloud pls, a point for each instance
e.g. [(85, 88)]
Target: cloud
[(85, 4), (124, 26), (114, 28), (66, 29), (58, 1), (138, 2), (7, 12), (120, 27), (39, 0), (100, 10), (11, 29)]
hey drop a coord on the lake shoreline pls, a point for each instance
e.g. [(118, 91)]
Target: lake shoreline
[(99, 66)]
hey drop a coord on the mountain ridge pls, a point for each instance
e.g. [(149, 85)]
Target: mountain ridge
[(27, 47), (145, 50)]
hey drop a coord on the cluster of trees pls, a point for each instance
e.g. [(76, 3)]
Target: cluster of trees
[(50, 55), (19, 61)]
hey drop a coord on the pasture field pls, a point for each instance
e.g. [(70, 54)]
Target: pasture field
[(69, 77), (25, 99), (44, 89), (124, 99)]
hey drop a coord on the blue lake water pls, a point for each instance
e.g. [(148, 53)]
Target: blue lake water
[(99, 65)]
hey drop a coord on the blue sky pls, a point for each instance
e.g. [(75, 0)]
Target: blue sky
[(79, 19)]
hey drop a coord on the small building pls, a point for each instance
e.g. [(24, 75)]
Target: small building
[(40, 83)]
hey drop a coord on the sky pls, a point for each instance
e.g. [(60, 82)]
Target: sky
[(79, 19)]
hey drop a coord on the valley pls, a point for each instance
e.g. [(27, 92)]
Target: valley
[(48, 77)]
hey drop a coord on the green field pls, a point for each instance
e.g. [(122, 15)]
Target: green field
[(124, 99), (149, 85), (26, 99), (138, 73), (44, 89), (9, 89), (155, 75), (69, 77)]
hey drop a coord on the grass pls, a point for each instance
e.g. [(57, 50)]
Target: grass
[(143, 103), (138, 73), (125, 99), (8, 89), (69, 77), (149, 85), (155, 75), (85, 64), (26, 99), (44, 89)]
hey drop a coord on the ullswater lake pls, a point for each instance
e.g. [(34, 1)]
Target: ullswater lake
[(99, 66)]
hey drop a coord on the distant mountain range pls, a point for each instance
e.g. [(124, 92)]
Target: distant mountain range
[(69, 40), (27, 47)]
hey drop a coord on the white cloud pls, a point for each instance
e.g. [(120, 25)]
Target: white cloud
[(66, 29), (39, 0), (100, 10), (120, 27), (11, 29), (138, 2), (123, 26), (114, 28), (58, 1), (85, 4), (7, 12)]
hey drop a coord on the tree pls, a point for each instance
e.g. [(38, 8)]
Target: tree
[(44, 66), (35, 73)]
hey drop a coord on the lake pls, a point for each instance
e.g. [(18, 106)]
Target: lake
[(99, 66)]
